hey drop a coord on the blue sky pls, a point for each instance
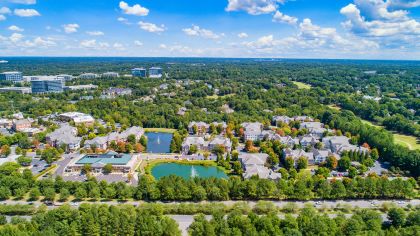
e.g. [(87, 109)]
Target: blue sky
[(355, 29)]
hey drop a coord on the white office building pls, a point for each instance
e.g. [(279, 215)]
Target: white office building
[(13, 76)]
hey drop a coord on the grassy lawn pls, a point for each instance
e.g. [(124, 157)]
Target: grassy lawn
[(371, 124), (404, 140), (334, 107), (302, 85), (215, 96), (160, 130)]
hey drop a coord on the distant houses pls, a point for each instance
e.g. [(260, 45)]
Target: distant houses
[(65, 136), (116, 92), (202, 145), (254, 165), (103, 142), (253, 131)]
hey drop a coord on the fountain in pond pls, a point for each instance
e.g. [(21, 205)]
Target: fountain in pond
[(193, 172), (158, 140)]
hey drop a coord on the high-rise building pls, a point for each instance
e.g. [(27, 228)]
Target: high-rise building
[(155, 72), (138, 72), (40, 85), (13, 76)]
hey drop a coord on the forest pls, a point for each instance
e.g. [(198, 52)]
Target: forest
[(92, 219), (255, 90), (293, 186)]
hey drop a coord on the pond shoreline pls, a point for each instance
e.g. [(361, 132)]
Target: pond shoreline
[(182, 168), (148, 165)]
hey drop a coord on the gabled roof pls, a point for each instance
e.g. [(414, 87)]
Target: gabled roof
[(253, 158)]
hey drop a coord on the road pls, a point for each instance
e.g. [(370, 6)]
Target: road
[(300, 204), (184, 221)]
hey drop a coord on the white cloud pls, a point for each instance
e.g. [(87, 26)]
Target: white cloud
[(39, 42), (254, 7), (118, 46), (15, 28), (138, 43), (311, 38), (2, 18), (88, 43), (150, 27), (26, 12), (27, 2), (70, 28), (163, 46), (5, 10), (136, 9), (280, 17), (93, 44), (95, 33), (15, 37), (242, 35), (197, 31), (403, 3), (376, 19)]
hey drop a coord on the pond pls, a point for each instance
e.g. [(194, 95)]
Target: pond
[(186, 171), (158, 142)]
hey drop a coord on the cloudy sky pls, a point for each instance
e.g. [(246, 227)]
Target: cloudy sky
[(355, 29)]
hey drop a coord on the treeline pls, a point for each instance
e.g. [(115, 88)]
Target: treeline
[(308, 222), (383, 140), (389, 113), (94, 220), (299, 186)]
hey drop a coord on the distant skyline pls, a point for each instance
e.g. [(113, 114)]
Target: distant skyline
[(325, 29)]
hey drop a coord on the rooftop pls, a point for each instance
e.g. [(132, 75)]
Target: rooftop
[(107, 158)]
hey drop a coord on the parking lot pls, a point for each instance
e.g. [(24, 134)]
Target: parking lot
[(38, 166)]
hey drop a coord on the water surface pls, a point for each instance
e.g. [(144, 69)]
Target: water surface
[(158, 142), (186, 171)]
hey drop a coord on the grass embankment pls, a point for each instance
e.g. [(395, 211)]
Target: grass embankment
[(302, 85), (215, 96), (401, 139), (334, 107), (147, 166), (160, 130), (48, 170), (408, 141)]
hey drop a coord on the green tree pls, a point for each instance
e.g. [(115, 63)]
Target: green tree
[(289, 163), (344, 163), (34, 194), (322, 171), (107, 168), (397, 217), (64, 194), (302, 163)]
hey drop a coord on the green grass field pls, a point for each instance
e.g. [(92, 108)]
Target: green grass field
[(404, 140), (160, 130), (371, 124), (302, 85), (408, 141), (215, 96), (334, 107)]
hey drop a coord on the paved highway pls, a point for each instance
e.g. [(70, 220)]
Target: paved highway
[(330, 204)]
